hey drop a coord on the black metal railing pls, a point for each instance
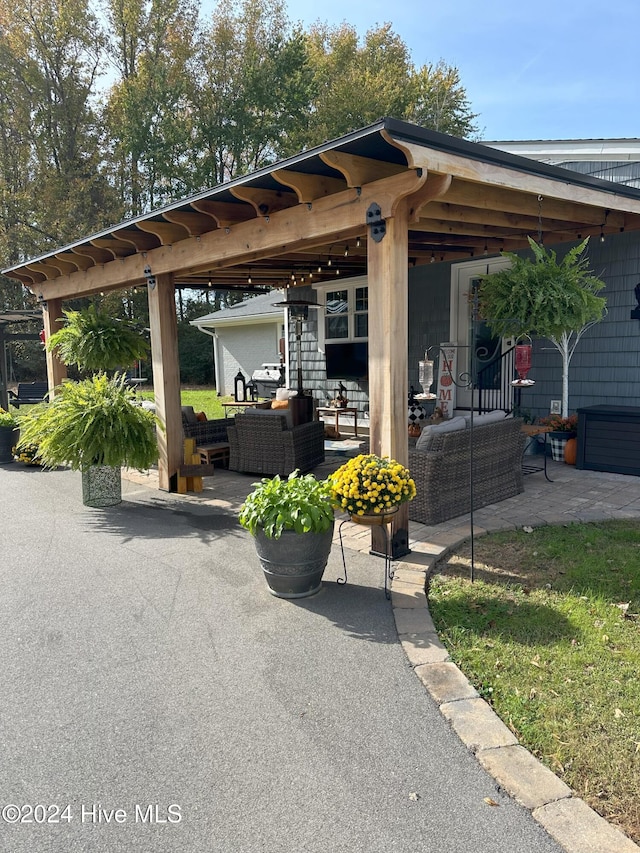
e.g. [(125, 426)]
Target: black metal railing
[(493, 383)]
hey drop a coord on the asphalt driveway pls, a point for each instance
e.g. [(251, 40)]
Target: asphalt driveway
[(156, 697)]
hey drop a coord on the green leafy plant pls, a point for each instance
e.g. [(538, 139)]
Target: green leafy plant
[(371, 484), (301, 504), (93, 340), (92, 422), (7, 419), (554, 299)]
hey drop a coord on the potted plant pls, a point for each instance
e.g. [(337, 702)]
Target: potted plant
[(557, 300), (562, 431), (8, 436), (292, 522), (96, 427), (371, 488)]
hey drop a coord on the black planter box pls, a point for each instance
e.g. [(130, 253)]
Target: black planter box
[(609, 439)]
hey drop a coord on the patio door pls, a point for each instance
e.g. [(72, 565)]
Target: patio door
[(464, 329)]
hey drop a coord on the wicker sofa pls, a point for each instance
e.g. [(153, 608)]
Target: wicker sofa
[(264, 442), (442, 472)]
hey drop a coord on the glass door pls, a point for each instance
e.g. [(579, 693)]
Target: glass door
[(478, 350)]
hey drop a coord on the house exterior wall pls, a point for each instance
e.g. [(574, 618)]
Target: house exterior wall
[(605, 368), (246, 348)]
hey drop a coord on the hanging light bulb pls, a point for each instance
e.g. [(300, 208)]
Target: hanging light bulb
[(346, 251), (319, 268), (249, 279), (486, 250), (329, 262), (358, 243), (433, 257), (210, 283)]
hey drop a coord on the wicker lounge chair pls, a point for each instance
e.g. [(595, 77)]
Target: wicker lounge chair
[(264, 443), (442, 473)]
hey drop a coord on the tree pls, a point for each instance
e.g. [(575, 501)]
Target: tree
[(253, 92), (440, 101), (50, 54), (553, 299), (149, 110)]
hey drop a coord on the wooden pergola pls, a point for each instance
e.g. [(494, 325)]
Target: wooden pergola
[(395, 194)]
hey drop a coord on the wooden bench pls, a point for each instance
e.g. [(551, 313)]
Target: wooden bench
[(29, 393)]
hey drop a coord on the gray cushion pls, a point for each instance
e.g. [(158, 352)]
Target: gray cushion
[(487, 418), (270, 413), (432, 430)]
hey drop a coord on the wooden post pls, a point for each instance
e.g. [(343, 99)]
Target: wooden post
[(56, 370), (388, 279), (166, 378)]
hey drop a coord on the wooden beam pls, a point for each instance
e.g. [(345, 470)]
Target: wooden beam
[(166, 377), (434, 187), (358, 171), (140, 240), (308, 187), (336, 218), (167, 232), (487, 175), (194, 223), (51, 313), (117, 248), (388, 281), (224, 213), (265, 202)]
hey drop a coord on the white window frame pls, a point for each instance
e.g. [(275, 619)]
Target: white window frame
[(350, 285)]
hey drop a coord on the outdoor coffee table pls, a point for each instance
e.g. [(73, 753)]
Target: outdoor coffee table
[(337, 411)]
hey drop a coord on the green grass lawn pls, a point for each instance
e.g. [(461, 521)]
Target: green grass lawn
[(549, 634), (202, 399)]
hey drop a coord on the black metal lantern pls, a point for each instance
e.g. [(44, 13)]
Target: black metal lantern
[(239, 388), (252, 390)]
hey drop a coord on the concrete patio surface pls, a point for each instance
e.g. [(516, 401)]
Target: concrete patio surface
[(155, 687)]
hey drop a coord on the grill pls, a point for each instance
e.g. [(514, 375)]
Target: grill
[(268, 378)]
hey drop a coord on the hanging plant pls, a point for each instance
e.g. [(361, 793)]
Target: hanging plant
[(542, 296), (93, 340)]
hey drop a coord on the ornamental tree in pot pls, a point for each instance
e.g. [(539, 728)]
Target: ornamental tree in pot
[(542, 296), (292, 521)]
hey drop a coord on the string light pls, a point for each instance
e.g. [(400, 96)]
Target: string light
[(346, 251), (433, 257)]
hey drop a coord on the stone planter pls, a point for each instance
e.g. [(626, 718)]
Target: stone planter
[(293, 565), (101, 486), (8, 438)]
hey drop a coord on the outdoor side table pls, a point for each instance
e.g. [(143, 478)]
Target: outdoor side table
[(532, 431), (210, 452)]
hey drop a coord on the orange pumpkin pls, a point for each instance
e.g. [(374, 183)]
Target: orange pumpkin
[(571, 451), (414, 430)]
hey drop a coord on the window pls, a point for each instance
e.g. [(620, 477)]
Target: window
[(346, 316)]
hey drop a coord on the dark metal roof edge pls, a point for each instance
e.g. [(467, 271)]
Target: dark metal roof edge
[(479, 151), (396, 128), (204, 194)]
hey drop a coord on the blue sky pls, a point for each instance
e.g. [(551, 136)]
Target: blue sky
[(547, 69)]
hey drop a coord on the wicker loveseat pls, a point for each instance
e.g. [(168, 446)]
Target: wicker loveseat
[(442, 473), (263, 442)]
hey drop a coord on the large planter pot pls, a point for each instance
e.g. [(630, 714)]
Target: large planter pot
[(558, 441), (101, 486), (293, 565), (8, 438)]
